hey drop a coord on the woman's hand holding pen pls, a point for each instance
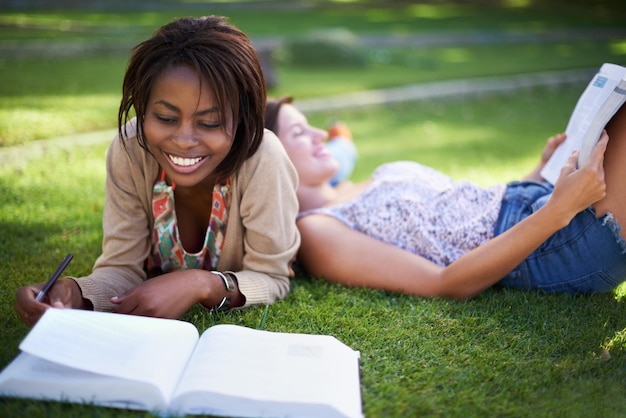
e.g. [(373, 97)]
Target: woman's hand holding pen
[(32, 301), (65, 293)]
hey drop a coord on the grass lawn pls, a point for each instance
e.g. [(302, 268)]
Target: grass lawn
[(61, 93), (503, 353)]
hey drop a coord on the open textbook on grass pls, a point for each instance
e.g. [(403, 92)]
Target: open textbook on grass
[(166, 367), (604, 95)]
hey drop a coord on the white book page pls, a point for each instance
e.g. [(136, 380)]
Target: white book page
[(590, 102), (126, 346), (33, 377), (606, 112), (252, 365)]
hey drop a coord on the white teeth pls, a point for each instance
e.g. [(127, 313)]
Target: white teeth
[(184, 162)]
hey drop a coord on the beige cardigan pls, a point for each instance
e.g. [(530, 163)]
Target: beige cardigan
[(261, 237)]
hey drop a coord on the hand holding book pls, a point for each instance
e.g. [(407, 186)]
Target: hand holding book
[(602, 98)]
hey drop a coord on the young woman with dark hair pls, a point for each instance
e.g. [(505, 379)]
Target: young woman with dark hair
[(199, 197)]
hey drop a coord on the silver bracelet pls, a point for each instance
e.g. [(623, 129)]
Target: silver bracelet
[(229, 282)]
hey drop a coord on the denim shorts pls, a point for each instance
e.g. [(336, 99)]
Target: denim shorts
[(587, 256)]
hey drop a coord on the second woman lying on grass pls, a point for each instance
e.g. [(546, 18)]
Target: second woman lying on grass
[(413, 230)]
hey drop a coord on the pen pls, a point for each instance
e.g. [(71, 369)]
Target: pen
[(54, 277)]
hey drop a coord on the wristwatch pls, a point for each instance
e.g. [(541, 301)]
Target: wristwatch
[(228, 278)]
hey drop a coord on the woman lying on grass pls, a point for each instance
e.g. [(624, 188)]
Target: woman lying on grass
[(199, 196), (413, 230)]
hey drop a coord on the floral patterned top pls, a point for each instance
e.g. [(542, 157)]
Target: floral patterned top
[(168, 253), (418, 209)]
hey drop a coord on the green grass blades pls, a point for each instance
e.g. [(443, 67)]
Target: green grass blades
[(505, 353)]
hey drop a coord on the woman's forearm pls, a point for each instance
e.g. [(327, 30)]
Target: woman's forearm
[(487, 264)]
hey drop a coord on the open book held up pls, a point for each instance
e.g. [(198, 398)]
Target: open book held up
[(164, 366), (604, 95)]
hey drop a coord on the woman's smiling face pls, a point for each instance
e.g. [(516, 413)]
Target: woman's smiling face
[(305, 146), (183, 127)]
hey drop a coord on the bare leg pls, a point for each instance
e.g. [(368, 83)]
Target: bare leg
[(615, 171)]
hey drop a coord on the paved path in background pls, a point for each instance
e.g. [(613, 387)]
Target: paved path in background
[(445, 89), (49, 48), (19, 155)]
